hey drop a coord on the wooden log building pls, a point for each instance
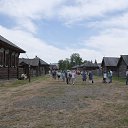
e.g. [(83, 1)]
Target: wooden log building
[(9, 57), (122, 65), (37, 66), (110, 63), (89, 66)]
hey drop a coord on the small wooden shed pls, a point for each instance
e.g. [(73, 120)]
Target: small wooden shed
[(9, 58), (37, 66), (89, 66), (110, 63), (122, 65)]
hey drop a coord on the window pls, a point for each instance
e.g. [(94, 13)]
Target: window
[(16, 59), (13, 59), (1, 57), (6, 58)]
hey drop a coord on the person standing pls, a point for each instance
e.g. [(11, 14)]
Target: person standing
[(127, 77), (84, 75), (110, 76), (63, 75), (66, 76), (73, 76), (91, 77), (104, 77)]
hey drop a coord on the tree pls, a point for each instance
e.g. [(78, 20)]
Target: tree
[(95, 61), (67, 64), (61, 64), (75, 59), (64, 64)]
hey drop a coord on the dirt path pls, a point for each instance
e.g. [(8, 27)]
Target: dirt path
[(54, 104)]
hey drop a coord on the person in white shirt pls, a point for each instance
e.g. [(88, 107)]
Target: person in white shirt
[(104, 77), (73, 76), (110, 76)]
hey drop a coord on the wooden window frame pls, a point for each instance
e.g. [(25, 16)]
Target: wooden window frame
[(16, 59), (2, 58), (13, 59), (6, 58)]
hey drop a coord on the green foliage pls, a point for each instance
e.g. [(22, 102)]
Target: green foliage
[(64, 64), (74, 60)]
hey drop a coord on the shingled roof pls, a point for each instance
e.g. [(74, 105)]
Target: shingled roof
[(110, 61), (33, 62), (125, 58), (10, 44), (41, 61), (75, 67), (89, 64)]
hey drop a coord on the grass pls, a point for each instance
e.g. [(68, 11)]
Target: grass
[(114, 78), (122, 80), (124, 121), (16, 83), (100, 106)]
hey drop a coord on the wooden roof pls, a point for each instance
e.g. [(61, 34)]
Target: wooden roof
[(75, 67), (125, 58), (89, 64), (110, 61), (33, 62), (9, 44)]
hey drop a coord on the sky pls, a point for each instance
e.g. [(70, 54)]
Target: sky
[(55, 29)]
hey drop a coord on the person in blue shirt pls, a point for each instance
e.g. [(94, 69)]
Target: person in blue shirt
[(84, 75), (91, 76)]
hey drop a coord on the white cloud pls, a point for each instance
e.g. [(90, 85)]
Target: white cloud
[(34, 46), (28, 8), (119, 21), (86, 9), (111, 42), (25, 11)]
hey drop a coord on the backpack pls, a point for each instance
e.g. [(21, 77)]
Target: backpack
[(70, 75)]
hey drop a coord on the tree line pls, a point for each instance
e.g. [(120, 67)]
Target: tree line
[(68, 63)]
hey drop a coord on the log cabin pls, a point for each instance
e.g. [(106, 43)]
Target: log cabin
[(122, 66), (9, 57), (34, 67), (110, 63), (88, 66)]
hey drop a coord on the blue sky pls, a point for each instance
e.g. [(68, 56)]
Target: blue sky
[(55, 29)]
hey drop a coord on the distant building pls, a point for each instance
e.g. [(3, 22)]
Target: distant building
[(110, 63), (89, 66), (122, 65), (37, 66), (54, 66), (9, 58)]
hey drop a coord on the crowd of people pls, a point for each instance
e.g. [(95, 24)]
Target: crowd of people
[(69, 76)]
